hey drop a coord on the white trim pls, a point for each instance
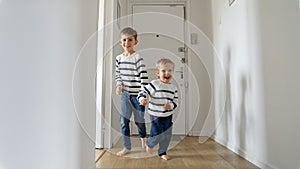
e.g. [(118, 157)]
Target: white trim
[(110, 64), (105, 77), (188, 76), (131, 3), (151, 2), (194, 133), (108, 99), (241, 152), (99, 77)]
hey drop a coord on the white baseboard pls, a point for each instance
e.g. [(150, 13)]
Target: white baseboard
[(241, 152), (194, 133)]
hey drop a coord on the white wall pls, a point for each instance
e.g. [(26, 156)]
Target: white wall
[(39, 44), (280, 39), (258, 42), (199, 15)]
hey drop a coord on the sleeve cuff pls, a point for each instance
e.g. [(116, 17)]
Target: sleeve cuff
[(119, 83)]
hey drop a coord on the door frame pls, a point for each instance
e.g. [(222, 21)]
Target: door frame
[(185, 4), (99, 140)]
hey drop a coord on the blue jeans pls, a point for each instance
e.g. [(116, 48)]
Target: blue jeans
[(129, 104), (160, 133)]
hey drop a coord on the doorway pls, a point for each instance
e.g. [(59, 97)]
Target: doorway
[(149, 21)]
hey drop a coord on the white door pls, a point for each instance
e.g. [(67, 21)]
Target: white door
[(154, 44)]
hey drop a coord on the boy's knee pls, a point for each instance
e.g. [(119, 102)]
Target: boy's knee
[(140, 125), (124, 123)]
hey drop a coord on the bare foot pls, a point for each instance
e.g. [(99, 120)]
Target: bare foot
[(148, 149), (123, 152), (143, 141), (165, 157)]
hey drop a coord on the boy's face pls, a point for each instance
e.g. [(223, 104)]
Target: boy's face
[(165, 72), (128, 42)]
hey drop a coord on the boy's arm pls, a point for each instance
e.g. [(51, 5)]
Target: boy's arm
[(119, 90), (145, 92), (118, 75), (142, 72), (142, 95), (118, 79), (174, 103)]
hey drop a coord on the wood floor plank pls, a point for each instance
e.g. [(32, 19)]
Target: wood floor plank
[(99, 153), (188, 154)]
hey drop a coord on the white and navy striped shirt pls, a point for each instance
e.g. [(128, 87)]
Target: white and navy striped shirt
[(131, 73), (159, 94)]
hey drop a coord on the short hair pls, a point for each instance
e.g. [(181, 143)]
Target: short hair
[(164, 61), (129, 31)]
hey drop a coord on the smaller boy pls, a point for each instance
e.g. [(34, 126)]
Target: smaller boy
[(163, 99), (131, 75)]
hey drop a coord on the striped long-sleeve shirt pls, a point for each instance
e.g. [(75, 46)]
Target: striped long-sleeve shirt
[(131, 73), (159, 94)]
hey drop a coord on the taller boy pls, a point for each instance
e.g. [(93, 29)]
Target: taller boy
[(131, 75)]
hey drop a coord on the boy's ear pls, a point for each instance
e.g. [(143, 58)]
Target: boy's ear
[(157, 73), (136, 42), (120, 42)]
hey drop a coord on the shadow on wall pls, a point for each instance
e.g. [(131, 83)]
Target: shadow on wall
[(240, 126), (228, 103), (243, 112), (237, 109)]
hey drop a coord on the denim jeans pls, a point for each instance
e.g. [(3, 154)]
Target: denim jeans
[(129, 104), (160, 133)]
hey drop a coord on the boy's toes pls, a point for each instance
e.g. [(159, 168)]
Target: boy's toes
[(165, 157), (123, 152), (148, 149)]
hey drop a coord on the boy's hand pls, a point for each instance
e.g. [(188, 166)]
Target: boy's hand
[(167, 106), (144, 102), (119, 90)]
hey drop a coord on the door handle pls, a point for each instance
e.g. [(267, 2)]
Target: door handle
[(182, 60), (182, 49)]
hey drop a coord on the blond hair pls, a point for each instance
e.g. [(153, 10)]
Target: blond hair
[(129, 31), (164, 61)]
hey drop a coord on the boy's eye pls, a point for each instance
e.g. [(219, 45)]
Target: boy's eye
[(124, 40), (164, 71)]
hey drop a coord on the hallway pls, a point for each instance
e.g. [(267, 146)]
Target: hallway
[(48, 105)]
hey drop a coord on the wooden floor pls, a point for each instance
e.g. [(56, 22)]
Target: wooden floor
[(188, 154)]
